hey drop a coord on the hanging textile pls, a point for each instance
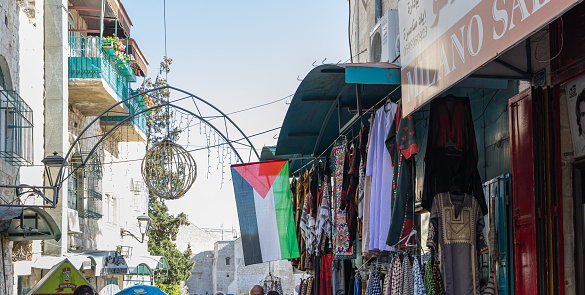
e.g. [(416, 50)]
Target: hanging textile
[(367, 198), (379, 166), (419, 287), (323, 223), (337, 277), (349, 190), (362, 149), (402, 146), (374, 284), (407, 278), (357, 287), (341, 247), (451, 154), (388, 287), (325, 287), (396, 287), (455, 227), (309, 285), (263, 199)]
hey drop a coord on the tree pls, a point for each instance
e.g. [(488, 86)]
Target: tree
[(164, 226)]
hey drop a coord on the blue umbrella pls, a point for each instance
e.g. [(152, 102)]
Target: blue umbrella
[(141, 290)]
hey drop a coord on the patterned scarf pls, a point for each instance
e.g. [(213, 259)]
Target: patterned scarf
[(374, 284), (407, 278)]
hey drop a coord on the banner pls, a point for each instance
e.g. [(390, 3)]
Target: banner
[(264, 203), (444, 41)]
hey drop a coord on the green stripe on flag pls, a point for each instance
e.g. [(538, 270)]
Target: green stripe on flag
[(284, 215)]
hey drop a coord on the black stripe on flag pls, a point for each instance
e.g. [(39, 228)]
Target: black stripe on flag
[(247, 216)]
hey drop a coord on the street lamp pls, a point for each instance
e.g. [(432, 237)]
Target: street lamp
[(52, 162), (143, 224)]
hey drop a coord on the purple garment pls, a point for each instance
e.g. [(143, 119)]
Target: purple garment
[(379, 167)]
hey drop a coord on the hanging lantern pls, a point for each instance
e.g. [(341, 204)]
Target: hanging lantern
[(168, 170)]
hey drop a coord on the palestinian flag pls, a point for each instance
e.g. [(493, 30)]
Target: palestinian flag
[(264, 204)]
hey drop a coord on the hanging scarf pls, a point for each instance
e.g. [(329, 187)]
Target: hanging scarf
[(396, 276), (374, 284), (419, 287), (407, 279)]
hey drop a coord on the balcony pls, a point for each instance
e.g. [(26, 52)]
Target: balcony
[(132, 130), (98, 80), (16, 129)]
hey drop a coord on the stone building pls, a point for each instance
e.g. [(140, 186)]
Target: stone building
[(56, 76)]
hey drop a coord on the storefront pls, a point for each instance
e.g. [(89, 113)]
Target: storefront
[(473, 164)]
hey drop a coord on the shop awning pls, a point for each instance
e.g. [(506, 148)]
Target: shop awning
[(33, 224), (325, 105), (102, 262), (147, 265)]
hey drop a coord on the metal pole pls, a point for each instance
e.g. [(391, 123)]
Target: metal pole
[(102, 20), (116, 27)]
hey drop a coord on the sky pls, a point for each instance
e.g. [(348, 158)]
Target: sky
[(235, 55)]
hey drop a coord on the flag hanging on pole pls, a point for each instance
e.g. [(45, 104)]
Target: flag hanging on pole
[(264, 205)]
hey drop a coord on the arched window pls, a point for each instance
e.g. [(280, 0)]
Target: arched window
[(227, 261)]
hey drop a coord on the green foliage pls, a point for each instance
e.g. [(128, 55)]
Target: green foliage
[(164, 227), (163, 231), (169, 289)]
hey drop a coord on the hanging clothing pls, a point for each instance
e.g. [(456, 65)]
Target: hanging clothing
[(325, 287), (455, 228), (349, 189), (419, 287), (374, 284), (362, 149), (402, 146), (367, 198), (388, 287), (342, 249), (396, 287), (379, 167), (451, 154), (337, 277), (323, 223), (407, 278), (357, 287)]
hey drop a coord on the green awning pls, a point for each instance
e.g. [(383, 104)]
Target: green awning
[(33, 224), (147, 265)]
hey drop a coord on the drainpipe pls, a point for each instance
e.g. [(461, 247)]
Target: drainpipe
[(378, 5), (102, 20)]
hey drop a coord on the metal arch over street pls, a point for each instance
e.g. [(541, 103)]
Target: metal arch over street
[(60, 178)]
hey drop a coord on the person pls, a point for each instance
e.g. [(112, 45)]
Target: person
[(257, 290), (272, 293), (219, 293), (83, 290)]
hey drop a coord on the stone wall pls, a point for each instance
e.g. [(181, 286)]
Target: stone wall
[(363, 19), (201, 280), (223, 266)]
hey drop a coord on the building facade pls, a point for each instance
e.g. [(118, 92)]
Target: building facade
[(58, 72)]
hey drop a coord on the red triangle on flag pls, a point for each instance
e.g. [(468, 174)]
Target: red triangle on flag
[(260, 175)]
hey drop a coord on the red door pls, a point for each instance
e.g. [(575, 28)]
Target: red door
[(522, 164)]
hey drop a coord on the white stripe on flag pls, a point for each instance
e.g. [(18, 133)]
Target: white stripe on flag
[(267, 226)]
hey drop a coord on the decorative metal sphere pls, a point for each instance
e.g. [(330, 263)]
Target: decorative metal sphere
[(168, 170)]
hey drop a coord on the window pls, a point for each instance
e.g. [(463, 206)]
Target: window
[(227, 261)]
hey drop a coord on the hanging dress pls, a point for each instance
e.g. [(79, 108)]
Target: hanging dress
[(379, 167), (341, 247)]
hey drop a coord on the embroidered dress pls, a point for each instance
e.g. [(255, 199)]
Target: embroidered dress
[(379, 166), (455, 227), (402, 146), (341, 247)]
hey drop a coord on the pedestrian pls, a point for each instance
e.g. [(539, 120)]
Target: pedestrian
[(83, 290), (219, 293), (272, 293), (257, 290)]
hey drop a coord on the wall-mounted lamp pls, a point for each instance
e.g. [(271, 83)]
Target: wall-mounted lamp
[(143, 224)]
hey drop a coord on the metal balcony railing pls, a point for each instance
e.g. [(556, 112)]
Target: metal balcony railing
[(88, 59), (16, 128)]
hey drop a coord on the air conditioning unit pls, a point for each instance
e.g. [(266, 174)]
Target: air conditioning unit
[(73, 222), (384, 38)]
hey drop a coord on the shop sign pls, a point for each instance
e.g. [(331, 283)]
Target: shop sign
[(444, 41), (115, 264), (63, 280), (575, 91)]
